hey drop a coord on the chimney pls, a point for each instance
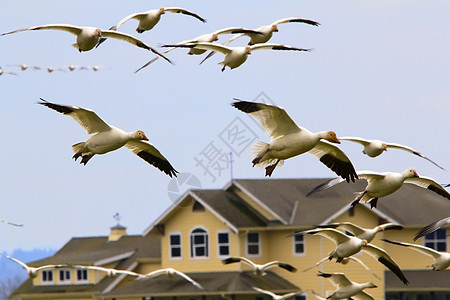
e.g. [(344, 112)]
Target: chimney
[(117, 231)]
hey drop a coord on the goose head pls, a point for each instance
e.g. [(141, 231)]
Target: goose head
[(248, 50), (330, 136), (371, 285), (215, 37), (384, 146), (171, 273), (274, 28), (98, 32), (140, 135), (162, 11), (410, 173)]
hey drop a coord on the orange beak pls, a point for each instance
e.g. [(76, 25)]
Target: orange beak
[(415, 174), (336, 140), (145, 138)]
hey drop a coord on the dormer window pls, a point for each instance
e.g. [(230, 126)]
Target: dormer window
[(64, 276), (47, 276), (82, 275), (199, 243)]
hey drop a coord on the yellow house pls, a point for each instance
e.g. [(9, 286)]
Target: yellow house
[(254, 219)]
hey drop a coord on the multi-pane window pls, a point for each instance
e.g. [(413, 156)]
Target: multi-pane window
[(300, 297), (253, 243), (299, 243), (437, 240), (223, 241), (47, 276), (175, 245), (64, 276), (82, 275), (199, 243)]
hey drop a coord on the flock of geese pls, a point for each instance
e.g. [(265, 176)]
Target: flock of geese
[(50, 69), (287, 140)]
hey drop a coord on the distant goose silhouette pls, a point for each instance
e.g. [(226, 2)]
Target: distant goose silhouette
[(259, 269)]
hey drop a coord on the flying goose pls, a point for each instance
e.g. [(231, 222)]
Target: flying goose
[(33, 271), (171, 273), (346, 288), (109, 271), (87, 37), (259, 269), (347, 246), (6, 72), (24, 67), (235, 56), (289, 140), (208, 38), (441, 259), (344, 261), (109, 138), (364, 233), (148, 19), (374, 148), (10, 223), (265, 32), (383, 184), (275, 296), (432, 227)]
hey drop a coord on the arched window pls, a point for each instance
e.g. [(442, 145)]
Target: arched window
[(199, 243)]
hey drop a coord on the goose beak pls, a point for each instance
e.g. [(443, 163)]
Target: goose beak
[(336, 140), (415, 174), (145, 138)]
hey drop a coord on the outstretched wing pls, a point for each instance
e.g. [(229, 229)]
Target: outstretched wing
[(384, 258), (270, 46), (355, 139), (411, 150), (422, 249), (324, 186), (76, 30), (275, 120), (337, 279), (432, 227), (335, 159), (335, 235), (150, 154), (180, 10), (85, 117), (429, 183), (296, 20)]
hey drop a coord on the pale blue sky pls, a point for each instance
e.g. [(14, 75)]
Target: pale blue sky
[(379, 69)]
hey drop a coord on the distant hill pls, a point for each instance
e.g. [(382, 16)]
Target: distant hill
[(12, 274)]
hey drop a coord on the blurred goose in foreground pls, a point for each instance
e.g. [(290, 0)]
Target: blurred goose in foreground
[(383, 184), (171, 273), (235, 56), (441, 259), (287, 140), (345, 261), (32, 271), (205, 38), (87, 37), (259, 269), (432, 227), (275, 296), (363, 233), (347, 246), (265, 32), (346, 288), (374, 148), (148, 19), (109, 138), (10, 223), (109, 271)]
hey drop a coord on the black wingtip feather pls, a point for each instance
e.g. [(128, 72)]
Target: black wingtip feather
[(341, 168), (394, 268), (59, 108), (288, 267), (439, 191), (245, 106), (230, 260), (161, 164)]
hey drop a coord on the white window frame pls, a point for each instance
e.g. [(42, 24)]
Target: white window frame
[(247, 244), (294, 244), (178, 246), (436, 240), (223, 244), (82, 281), (191, 251), (44, 282), (65, 272)]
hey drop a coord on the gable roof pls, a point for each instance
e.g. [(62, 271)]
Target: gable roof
[(95, 250), (226, 282)]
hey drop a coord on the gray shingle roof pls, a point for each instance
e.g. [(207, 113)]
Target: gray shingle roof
[(419, 280), (213, 282)]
